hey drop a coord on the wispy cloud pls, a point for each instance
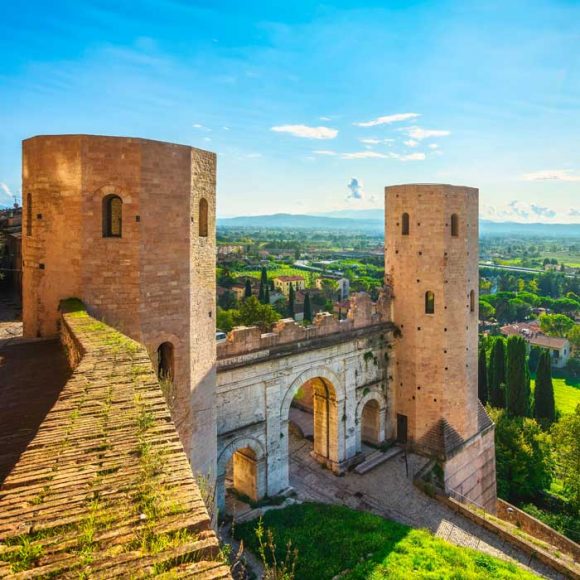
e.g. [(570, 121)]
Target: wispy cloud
[(6, 189), (521, 211), (200, 127), (409, 157), (411, 143), (324, 118), (356, 189), (388, 119), (375, 141), (433, 146), (306, 132), (377, 155), (418, 133), (574, 212), (324, 152), (552, 175), (365, 155)]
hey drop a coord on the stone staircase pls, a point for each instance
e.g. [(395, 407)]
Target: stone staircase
[(377, 458)]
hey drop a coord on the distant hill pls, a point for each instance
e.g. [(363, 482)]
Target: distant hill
[(287, 220), (372, 221)]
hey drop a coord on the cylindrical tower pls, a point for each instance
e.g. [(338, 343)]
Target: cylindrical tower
[(431, 261)]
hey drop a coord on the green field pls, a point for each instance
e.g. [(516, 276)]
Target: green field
[(566, 393), (334, 540)]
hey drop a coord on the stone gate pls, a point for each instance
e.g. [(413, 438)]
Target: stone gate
[(344, 364)]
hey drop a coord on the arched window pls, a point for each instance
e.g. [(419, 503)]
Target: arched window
[(429, 302), (28, 214), (472, 301), (112, 216), (405, 224), (165, 361), (203, 217), (454, 225)]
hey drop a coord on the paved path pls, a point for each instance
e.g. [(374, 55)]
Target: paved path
[(387, 491)]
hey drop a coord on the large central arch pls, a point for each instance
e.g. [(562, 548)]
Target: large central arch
[(328, 410)]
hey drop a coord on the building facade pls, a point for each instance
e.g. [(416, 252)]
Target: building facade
[(128, 226)]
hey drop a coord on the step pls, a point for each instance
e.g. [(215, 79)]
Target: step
[(377, 458)]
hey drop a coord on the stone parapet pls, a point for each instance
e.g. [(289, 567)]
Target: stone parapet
[(105, 488), (363, 313)]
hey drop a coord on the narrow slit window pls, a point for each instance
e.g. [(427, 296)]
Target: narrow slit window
[(112, 216), (429, 302), (203, 218), (454, 225), (405, 224), (28, 214), (472, 301)]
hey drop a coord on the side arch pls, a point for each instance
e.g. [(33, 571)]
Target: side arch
[(260, 467), (379, 398)]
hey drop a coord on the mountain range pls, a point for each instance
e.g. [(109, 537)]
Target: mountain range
[(372, 221)]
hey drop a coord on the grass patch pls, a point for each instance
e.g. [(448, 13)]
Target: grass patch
[(566, 393), (334, 540)]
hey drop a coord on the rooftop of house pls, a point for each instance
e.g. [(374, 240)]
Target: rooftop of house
[(97, 482), (531, 333)]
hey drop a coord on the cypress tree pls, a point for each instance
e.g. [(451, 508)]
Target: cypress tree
[(267, 294), (518, 378), (544, 404), (307, 308), (248, 289), (291, 297), (263, 286), (496, 374), (482, 376)]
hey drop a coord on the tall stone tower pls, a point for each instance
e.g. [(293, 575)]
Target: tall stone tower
[(431, 261), (128, 226)]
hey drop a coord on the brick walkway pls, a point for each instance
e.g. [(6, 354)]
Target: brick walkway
[(388, 492)]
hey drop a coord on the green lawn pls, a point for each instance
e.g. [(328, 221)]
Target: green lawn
[(334, 539), (280, 271), (566, 392)]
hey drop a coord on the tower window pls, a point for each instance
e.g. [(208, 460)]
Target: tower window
[(454, 225), (429, 302), (203, 210), (112, 216), (28, 214), (405, 224), (165, 361), (472, 301)]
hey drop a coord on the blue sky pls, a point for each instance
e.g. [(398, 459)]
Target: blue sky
[(313, 106)]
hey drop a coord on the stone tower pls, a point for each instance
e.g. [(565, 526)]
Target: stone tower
[(431, 261), (128, 226)]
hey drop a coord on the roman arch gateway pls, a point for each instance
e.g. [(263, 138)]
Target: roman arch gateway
[(338, 369)]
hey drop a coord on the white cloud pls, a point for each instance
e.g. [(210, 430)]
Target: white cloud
[(306, 132), (574, 212), (324, 152), (409, 157), (356, 188), (388, 119), (200, 127), (419, 133), (365, 155), (324, 118), (552, 175), (411, 143), (433, 146), (370, 141)]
